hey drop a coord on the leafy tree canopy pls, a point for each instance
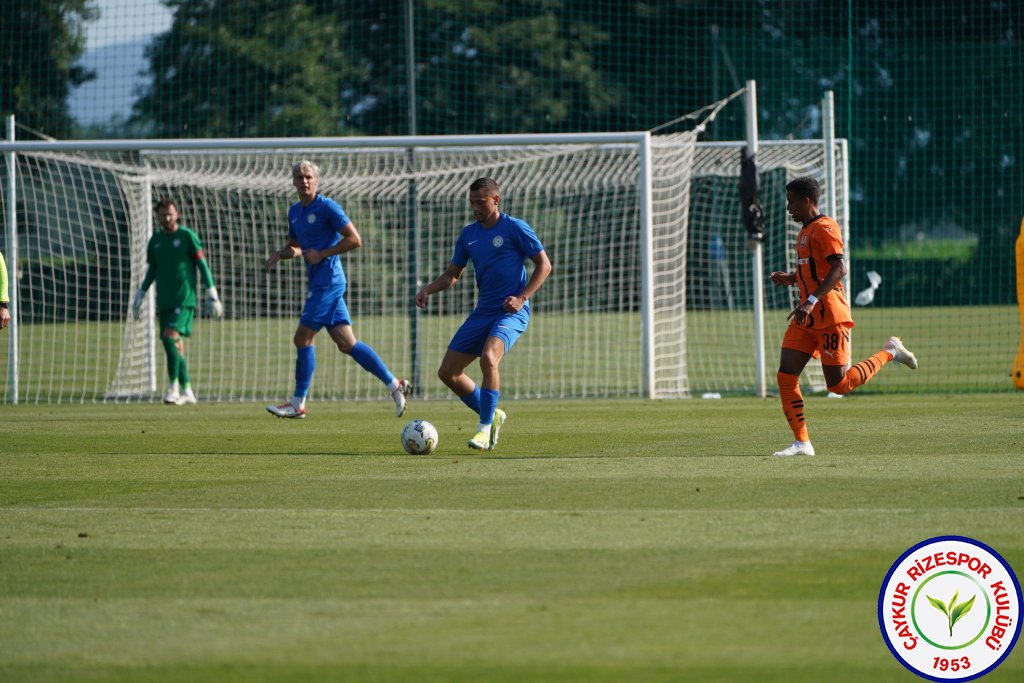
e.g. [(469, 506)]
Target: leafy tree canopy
[(37, 59), (246, 68)]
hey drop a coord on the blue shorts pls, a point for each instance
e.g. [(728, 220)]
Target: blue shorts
[(325, 308), (478, 327)]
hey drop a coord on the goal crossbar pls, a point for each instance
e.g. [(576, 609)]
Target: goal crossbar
[(383, 142)]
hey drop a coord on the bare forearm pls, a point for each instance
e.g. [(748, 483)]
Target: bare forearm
[(347, 243), (537, 278), (835, 275), (443, 282), (289, 251)]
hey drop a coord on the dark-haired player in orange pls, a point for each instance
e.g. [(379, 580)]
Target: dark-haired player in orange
[(821, 324)]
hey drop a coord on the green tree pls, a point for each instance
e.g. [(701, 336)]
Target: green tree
[(245, 68), (43, 40), (500, 66), (374, 96)]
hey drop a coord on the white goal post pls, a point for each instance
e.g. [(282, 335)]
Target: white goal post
[(650, 294)]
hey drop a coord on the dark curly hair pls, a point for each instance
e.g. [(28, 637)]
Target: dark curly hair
[(805, 187), (165, 203)]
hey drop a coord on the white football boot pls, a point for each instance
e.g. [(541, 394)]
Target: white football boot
[(900, 354), (173, 395), (287, 410), (400, 396), (796, 448)]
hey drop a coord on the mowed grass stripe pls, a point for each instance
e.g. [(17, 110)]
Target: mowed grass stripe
[(484, 633), (618, 529)]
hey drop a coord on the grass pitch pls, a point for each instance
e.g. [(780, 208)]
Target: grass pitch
[(602, 541)]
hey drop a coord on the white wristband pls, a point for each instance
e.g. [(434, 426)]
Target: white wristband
[(813, 299)]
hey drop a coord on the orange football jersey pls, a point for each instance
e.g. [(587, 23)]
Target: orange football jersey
[(818, 240)]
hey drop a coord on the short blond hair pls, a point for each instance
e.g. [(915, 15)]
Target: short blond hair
[(300, 166)]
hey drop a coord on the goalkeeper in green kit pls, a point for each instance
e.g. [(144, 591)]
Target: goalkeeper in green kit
[(174, 254)]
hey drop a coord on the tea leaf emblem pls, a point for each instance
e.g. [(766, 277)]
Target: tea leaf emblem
[(953, 611)]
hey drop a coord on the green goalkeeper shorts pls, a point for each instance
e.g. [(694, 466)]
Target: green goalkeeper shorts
[(178, 319)]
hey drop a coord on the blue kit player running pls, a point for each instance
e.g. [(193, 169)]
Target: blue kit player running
[(498, 245), (319, 230)]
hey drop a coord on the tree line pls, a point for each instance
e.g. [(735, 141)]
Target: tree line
[(923, 93)]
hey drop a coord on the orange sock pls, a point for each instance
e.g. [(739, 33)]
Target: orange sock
[(861, 373), (793, 404)]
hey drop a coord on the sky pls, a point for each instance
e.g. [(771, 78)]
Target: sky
[(125, 20), (115, 45)]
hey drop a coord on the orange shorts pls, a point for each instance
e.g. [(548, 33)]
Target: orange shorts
[(831, 344)]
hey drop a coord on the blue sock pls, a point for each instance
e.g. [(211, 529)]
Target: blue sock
[(305, 363), (472, 400), (488, 402), (369, 360)]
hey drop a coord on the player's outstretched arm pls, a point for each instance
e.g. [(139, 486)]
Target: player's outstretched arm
[(782, 279), (290, 250), (444, 281)]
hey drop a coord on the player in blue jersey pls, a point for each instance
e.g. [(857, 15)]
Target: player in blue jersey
[(498, 245), (318, 231)]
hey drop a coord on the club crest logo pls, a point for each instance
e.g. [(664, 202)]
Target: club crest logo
[(803, 240), (311, 218), (498, 241), (949, 609), (176, 243)]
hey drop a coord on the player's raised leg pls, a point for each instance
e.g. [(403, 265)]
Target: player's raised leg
[(368, 360), (841, 381)]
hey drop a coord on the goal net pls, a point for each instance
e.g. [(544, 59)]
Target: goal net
[(650, 294)]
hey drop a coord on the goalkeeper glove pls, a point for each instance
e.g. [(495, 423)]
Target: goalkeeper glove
[(137, 304), (214, 307)]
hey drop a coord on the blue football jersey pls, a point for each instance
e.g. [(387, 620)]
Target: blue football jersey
[(499, 255), (318, 226)]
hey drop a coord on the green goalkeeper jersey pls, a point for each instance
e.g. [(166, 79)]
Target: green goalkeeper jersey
[(173, 259)]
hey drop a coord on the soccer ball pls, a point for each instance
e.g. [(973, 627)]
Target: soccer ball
[(419, 437)]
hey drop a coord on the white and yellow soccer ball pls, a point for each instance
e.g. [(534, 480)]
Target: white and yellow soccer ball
[(419, 437)]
